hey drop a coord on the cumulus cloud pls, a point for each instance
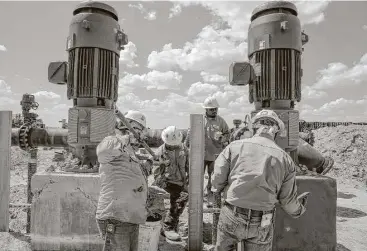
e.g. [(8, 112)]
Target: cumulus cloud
[(175, 10), (152, 80), (340, 110), (149, 15), (173, 104), (128, 55), (213, 78), (210, 52), (337, 74), (46, 95), (2, 48), (215, 48), (308, 93), (199, 90)]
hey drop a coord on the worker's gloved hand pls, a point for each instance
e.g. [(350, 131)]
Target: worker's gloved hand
[(155, 190), (303, 198), (218, 136), (164, 162)]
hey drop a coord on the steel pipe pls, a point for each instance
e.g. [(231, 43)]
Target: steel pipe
[(35, 137)]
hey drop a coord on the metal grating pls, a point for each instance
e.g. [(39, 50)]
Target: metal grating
[(283, 75), (73, 126), (293, 128), (82, 62), (102, 124)]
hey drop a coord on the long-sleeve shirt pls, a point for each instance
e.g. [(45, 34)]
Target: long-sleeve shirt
[(213, 146), (255, 173), (124, 188), (177, 170)]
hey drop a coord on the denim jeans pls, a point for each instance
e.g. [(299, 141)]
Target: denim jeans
[(126, 235), (209, 165), (234, 228), (178, 201)]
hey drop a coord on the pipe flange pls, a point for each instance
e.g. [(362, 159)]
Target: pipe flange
[(24, 137)]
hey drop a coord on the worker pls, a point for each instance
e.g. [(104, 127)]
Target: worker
[(172, 175), (124, 190), (242, 132), (255, 173), (216, 136), (236, 123)]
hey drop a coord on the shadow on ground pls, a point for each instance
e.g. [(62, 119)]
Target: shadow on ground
[(340, 247), (345, 195), (346, 212)]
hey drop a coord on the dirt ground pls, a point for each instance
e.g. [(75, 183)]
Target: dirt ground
[(346, 144)]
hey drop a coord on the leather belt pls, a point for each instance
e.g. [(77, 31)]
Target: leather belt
[(246, 211)]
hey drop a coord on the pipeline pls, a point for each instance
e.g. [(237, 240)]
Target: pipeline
[(57, 137), (27, 137)]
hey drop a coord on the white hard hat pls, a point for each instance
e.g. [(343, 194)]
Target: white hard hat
[(137, 117), (271, 115), (210, 102), (172, 136)]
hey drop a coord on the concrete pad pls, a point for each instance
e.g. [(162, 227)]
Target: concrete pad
[(316, 229), (63, 212)]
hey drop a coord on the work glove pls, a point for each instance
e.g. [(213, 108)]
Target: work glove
[(303, 198), (164, 162), (218, 136)]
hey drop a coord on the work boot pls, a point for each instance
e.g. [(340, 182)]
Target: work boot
[(172, 235)]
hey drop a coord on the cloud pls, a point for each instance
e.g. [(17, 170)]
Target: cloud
[(46, 95), (215, 47), (213, 78), (3, 48), (173, 104), (210, 52), (7, 99), (175, 10), (308, 93), (337, 74), (4, 88), (152, 80), (128, 55), (199, 89), (340, 110), (51, 115), (364, 27), (149, 15)]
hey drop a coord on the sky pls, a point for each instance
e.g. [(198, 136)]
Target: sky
[(179, 53)]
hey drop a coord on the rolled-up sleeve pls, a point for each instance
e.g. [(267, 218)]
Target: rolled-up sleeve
[(288, 193), (221, 171)]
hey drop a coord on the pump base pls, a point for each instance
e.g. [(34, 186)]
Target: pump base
[(316, 229), (63, 212)]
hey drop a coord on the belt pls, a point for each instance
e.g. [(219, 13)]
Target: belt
[(246, 211)]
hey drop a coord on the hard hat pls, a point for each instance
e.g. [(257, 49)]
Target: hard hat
[(172, 136), (270, 115), (137, 117), (210, 103), (237, 121)]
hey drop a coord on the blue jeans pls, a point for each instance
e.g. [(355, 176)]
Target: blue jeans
[(234, 228), (126, 235)]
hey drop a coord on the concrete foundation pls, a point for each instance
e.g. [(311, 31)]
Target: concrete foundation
[(63, 212), (64, 206), (316, 229)]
